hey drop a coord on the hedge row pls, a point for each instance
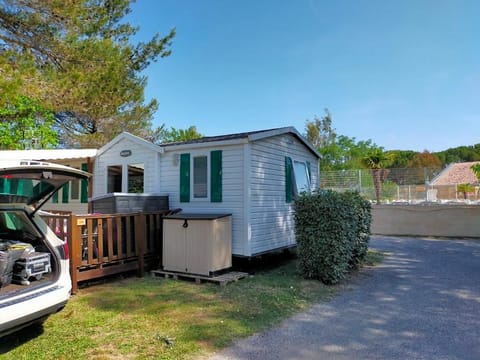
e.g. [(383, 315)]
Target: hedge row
[(332, 231)]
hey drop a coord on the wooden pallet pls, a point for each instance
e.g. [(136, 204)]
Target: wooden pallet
[(222, 279)]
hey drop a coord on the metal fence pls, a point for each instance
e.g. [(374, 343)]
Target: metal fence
[(397, 185)]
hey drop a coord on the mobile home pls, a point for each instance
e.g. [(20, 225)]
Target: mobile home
[(253, 176)]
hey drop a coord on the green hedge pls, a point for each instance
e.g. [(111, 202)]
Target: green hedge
[(332, 231), (363, 218)]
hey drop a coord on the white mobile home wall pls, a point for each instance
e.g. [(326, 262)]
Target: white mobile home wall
[(271, 218), (233, 188), (253, 178)]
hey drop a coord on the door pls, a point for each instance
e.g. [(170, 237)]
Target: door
[(174, 245)]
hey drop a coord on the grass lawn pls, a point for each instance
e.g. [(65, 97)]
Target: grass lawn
[(166, 319)]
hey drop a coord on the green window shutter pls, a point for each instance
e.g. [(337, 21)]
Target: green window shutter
[(216, 176), (3, 185), (55, 197), (84, 186), (14, 186), (65, 192), (289, 192), (184, 177)]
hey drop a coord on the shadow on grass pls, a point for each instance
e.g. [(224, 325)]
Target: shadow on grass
[(20, 337)]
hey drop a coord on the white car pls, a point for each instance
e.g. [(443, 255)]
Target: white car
[(34, 262)]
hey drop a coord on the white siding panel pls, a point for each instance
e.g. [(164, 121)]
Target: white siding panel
[(140, 155), (232, 189), (271, 218)]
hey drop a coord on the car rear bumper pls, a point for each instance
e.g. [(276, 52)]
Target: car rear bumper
[(21, 322)]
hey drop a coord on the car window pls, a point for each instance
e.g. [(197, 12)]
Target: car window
[(20, 190), (14, 224)]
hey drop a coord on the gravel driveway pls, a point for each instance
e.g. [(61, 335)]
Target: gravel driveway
[(423, 302)]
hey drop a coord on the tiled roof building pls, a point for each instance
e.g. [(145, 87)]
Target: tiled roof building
[(457, 173)]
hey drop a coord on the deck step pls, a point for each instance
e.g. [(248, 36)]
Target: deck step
[(221, 280)]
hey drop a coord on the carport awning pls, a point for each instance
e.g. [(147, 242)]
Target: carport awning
[(45, 155)]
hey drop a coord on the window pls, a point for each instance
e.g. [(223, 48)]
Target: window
[(200, 177), (17, 221), (297, 178), (206, 180), (135, 178), (302, 178), (75, 189), (114, 181)]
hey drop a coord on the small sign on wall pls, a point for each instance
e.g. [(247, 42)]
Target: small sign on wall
[(125, 153)]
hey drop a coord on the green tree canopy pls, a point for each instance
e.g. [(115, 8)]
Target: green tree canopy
[(174, 135), (78, 58), (425, 160), (401, 158), (377, 160), (476, 170), (338, 152), (459, 154), (320, 132), (26, 124)]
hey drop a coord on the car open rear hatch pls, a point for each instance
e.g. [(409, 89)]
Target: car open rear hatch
[(33, 182)]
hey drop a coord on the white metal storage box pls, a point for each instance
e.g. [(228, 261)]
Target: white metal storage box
[(197, 243)]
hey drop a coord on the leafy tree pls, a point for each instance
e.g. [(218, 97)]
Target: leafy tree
[(425, 165), (425, 160), (351, 152), (459, 154), (338, 152), (377, 160), (476, 170), (401, 158), (465, 189), (78, 59), (174, 135), (320, 132), (26, 124)]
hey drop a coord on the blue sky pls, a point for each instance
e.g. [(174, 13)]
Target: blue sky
[(405, 74)]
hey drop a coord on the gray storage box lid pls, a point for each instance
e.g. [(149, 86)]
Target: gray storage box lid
[(190, 216)]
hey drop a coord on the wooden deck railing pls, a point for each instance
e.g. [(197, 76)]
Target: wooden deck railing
[(102, 245)]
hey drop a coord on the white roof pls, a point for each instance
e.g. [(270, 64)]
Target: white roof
[(135, 139), (53, 154)]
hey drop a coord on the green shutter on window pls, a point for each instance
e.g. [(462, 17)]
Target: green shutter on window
[(84, 186), (216, 176), (65, 193), (55, 197), (184, 177), (14, 186), (3, 185), (289, 192)]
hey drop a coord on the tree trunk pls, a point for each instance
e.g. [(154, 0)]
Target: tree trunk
[(377, 183)]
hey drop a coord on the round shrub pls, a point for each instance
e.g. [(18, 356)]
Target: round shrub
[(324, 231), (332, 231), (363, 218)]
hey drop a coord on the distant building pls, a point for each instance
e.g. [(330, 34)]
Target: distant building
[(457, 173)]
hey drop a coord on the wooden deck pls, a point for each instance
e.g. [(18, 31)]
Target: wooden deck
[(108, 244)]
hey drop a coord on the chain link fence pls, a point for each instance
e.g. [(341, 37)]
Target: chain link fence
[(405, 185)]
